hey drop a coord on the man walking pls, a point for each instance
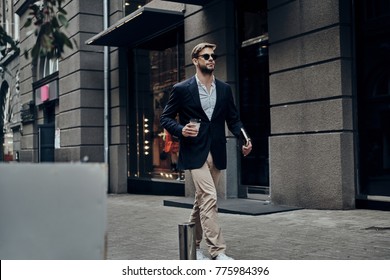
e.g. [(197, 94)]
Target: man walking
[(204, 104)]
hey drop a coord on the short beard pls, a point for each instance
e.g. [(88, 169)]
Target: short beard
[(205, 70)]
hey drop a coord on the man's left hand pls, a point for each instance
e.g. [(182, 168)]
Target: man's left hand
[(246, 149)]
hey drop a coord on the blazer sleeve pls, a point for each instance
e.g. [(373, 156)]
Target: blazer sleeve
[(169, 114), (232, 118)]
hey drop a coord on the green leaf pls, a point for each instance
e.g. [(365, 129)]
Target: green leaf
[(34, 8), (28, 22), (75, 42), (67, 42), (9, 40), (62, 11), (63, 20), (46, 29), (54, 23), (35, 51), (48, 18), (59, 3)]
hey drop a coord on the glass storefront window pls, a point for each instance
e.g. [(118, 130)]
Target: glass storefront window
[(153, 152)]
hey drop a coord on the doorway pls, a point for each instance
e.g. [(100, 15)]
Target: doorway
[(46, 142), (254, 98), (373, 90), (255, 114), (47, 134)]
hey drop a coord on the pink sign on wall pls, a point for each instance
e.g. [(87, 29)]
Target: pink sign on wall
[(45, 93)]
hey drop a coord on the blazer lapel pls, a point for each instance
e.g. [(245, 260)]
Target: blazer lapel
[(193, 88), (194, 91), (219, 89)]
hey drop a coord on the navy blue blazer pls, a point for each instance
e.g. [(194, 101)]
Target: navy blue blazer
[(184, 101)]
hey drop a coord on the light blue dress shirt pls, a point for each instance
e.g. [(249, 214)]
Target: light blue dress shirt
[(207, 99)]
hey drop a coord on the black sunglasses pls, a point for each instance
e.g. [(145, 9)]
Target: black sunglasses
[(207, 56)]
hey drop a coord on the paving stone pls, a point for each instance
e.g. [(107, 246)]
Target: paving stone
[(141, 227)]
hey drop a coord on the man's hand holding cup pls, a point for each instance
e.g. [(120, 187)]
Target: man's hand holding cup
[(191, 129)]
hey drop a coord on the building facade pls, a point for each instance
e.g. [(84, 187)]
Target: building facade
[(311, 80)]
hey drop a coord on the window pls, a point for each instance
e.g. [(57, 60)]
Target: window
[(153, 153), (16, 27), (9, 23), (6, 136), (46, 88), (47, 67)]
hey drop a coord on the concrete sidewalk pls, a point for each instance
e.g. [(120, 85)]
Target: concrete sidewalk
[(140, 227)]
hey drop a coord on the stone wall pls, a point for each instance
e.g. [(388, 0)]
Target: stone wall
[(312, 129)]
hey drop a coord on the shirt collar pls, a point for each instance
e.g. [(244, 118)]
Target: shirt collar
[(200, 83)]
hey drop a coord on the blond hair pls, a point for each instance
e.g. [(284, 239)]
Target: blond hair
[(199, 47)]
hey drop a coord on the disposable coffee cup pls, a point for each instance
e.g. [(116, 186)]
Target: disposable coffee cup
[(195, 122)]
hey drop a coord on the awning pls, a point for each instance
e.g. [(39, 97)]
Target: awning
[(192, 2), (143, 24)]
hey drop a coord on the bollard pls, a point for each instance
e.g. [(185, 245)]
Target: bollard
[(187, 245)]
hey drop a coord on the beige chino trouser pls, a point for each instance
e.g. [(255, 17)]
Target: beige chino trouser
[(205, 212)]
